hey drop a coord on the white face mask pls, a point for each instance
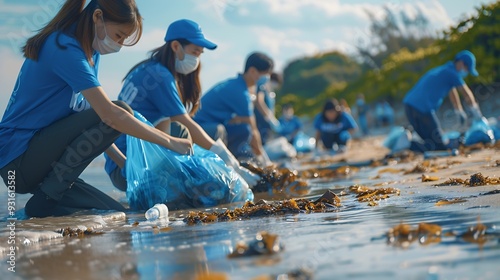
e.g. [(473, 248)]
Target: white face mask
[(106, 45), (187, 65)]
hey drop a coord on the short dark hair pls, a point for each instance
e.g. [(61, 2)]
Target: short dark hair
[(259, 61), (287, 106), (330, 104), (277, 78)]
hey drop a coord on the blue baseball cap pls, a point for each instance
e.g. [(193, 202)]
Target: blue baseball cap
[(469, 60), (188, 30)]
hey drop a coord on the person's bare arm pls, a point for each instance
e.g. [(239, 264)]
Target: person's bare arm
[(116, 155), (455, 100), (467, 94), (119, 119)]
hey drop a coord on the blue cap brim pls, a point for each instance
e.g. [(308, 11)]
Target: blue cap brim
[(203, 43), (474, 73)]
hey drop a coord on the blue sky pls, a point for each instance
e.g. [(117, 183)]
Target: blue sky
[(285, 29)]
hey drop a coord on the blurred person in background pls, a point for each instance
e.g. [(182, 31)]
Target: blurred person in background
[(334, 127), (426, 96), (228, 106)]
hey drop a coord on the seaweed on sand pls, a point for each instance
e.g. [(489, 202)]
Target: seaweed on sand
[(371, 195), (422, 167), (329, 202), (277, 181), (77, 232), (475, 180), (403, 235)]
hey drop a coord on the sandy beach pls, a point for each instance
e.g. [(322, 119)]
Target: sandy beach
[(351, 241)]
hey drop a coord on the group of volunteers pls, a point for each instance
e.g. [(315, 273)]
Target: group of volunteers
[(59, 118)]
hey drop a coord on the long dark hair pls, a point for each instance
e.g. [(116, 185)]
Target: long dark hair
[(329, 105), (73, 12), (188, 86)]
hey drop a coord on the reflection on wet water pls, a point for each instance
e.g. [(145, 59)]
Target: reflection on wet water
[(350, 243)]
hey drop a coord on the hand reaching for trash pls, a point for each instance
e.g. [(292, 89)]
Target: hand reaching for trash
[(181, 145)]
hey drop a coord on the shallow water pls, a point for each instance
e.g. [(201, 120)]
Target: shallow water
[(350, 243)]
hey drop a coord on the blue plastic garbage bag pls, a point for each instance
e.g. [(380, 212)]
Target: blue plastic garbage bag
[(398, 139), (279, 148), (479, 132), (495, 125), (304, 143), (158, 175)]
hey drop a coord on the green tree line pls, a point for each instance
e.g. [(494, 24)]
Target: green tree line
[(390, 70)]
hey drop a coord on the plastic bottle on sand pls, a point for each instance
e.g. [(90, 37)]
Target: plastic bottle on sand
[(159, 211)]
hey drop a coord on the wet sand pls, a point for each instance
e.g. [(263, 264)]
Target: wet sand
[(348, 243)]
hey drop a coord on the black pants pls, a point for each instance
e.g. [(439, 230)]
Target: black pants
[(426, 125), (176, 130), (58, 154)]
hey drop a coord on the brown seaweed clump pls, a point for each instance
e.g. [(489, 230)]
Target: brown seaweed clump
[(328, 173), (475, 234), (475, 180), (403, 235), (452, 182), (451, 201), (422, 167), (77, 232), (264, 243), (478, 180), (371, 195), (427, 178), (278, 181), (326, 203)]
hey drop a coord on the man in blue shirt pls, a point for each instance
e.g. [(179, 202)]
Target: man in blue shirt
[(229, 103), (422, 101)]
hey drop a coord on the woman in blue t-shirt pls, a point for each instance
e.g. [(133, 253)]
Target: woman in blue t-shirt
[(333, 127), (59, 118), (165, 88)]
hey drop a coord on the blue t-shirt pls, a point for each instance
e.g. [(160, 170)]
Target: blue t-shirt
[(346, 122), (46, 91), (151, 90), (428, 94), (268, 100), (288, 126), (224, 101)]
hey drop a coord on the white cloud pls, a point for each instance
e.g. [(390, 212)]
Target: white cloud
[(150, 39)]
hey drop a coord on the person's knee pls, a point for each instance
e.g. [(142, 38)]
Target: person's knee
[(124, 106)]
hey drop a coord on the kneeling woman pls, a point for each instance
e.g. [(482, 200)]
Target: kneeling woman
[(165, 89), (59, 118), (333, 127)]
